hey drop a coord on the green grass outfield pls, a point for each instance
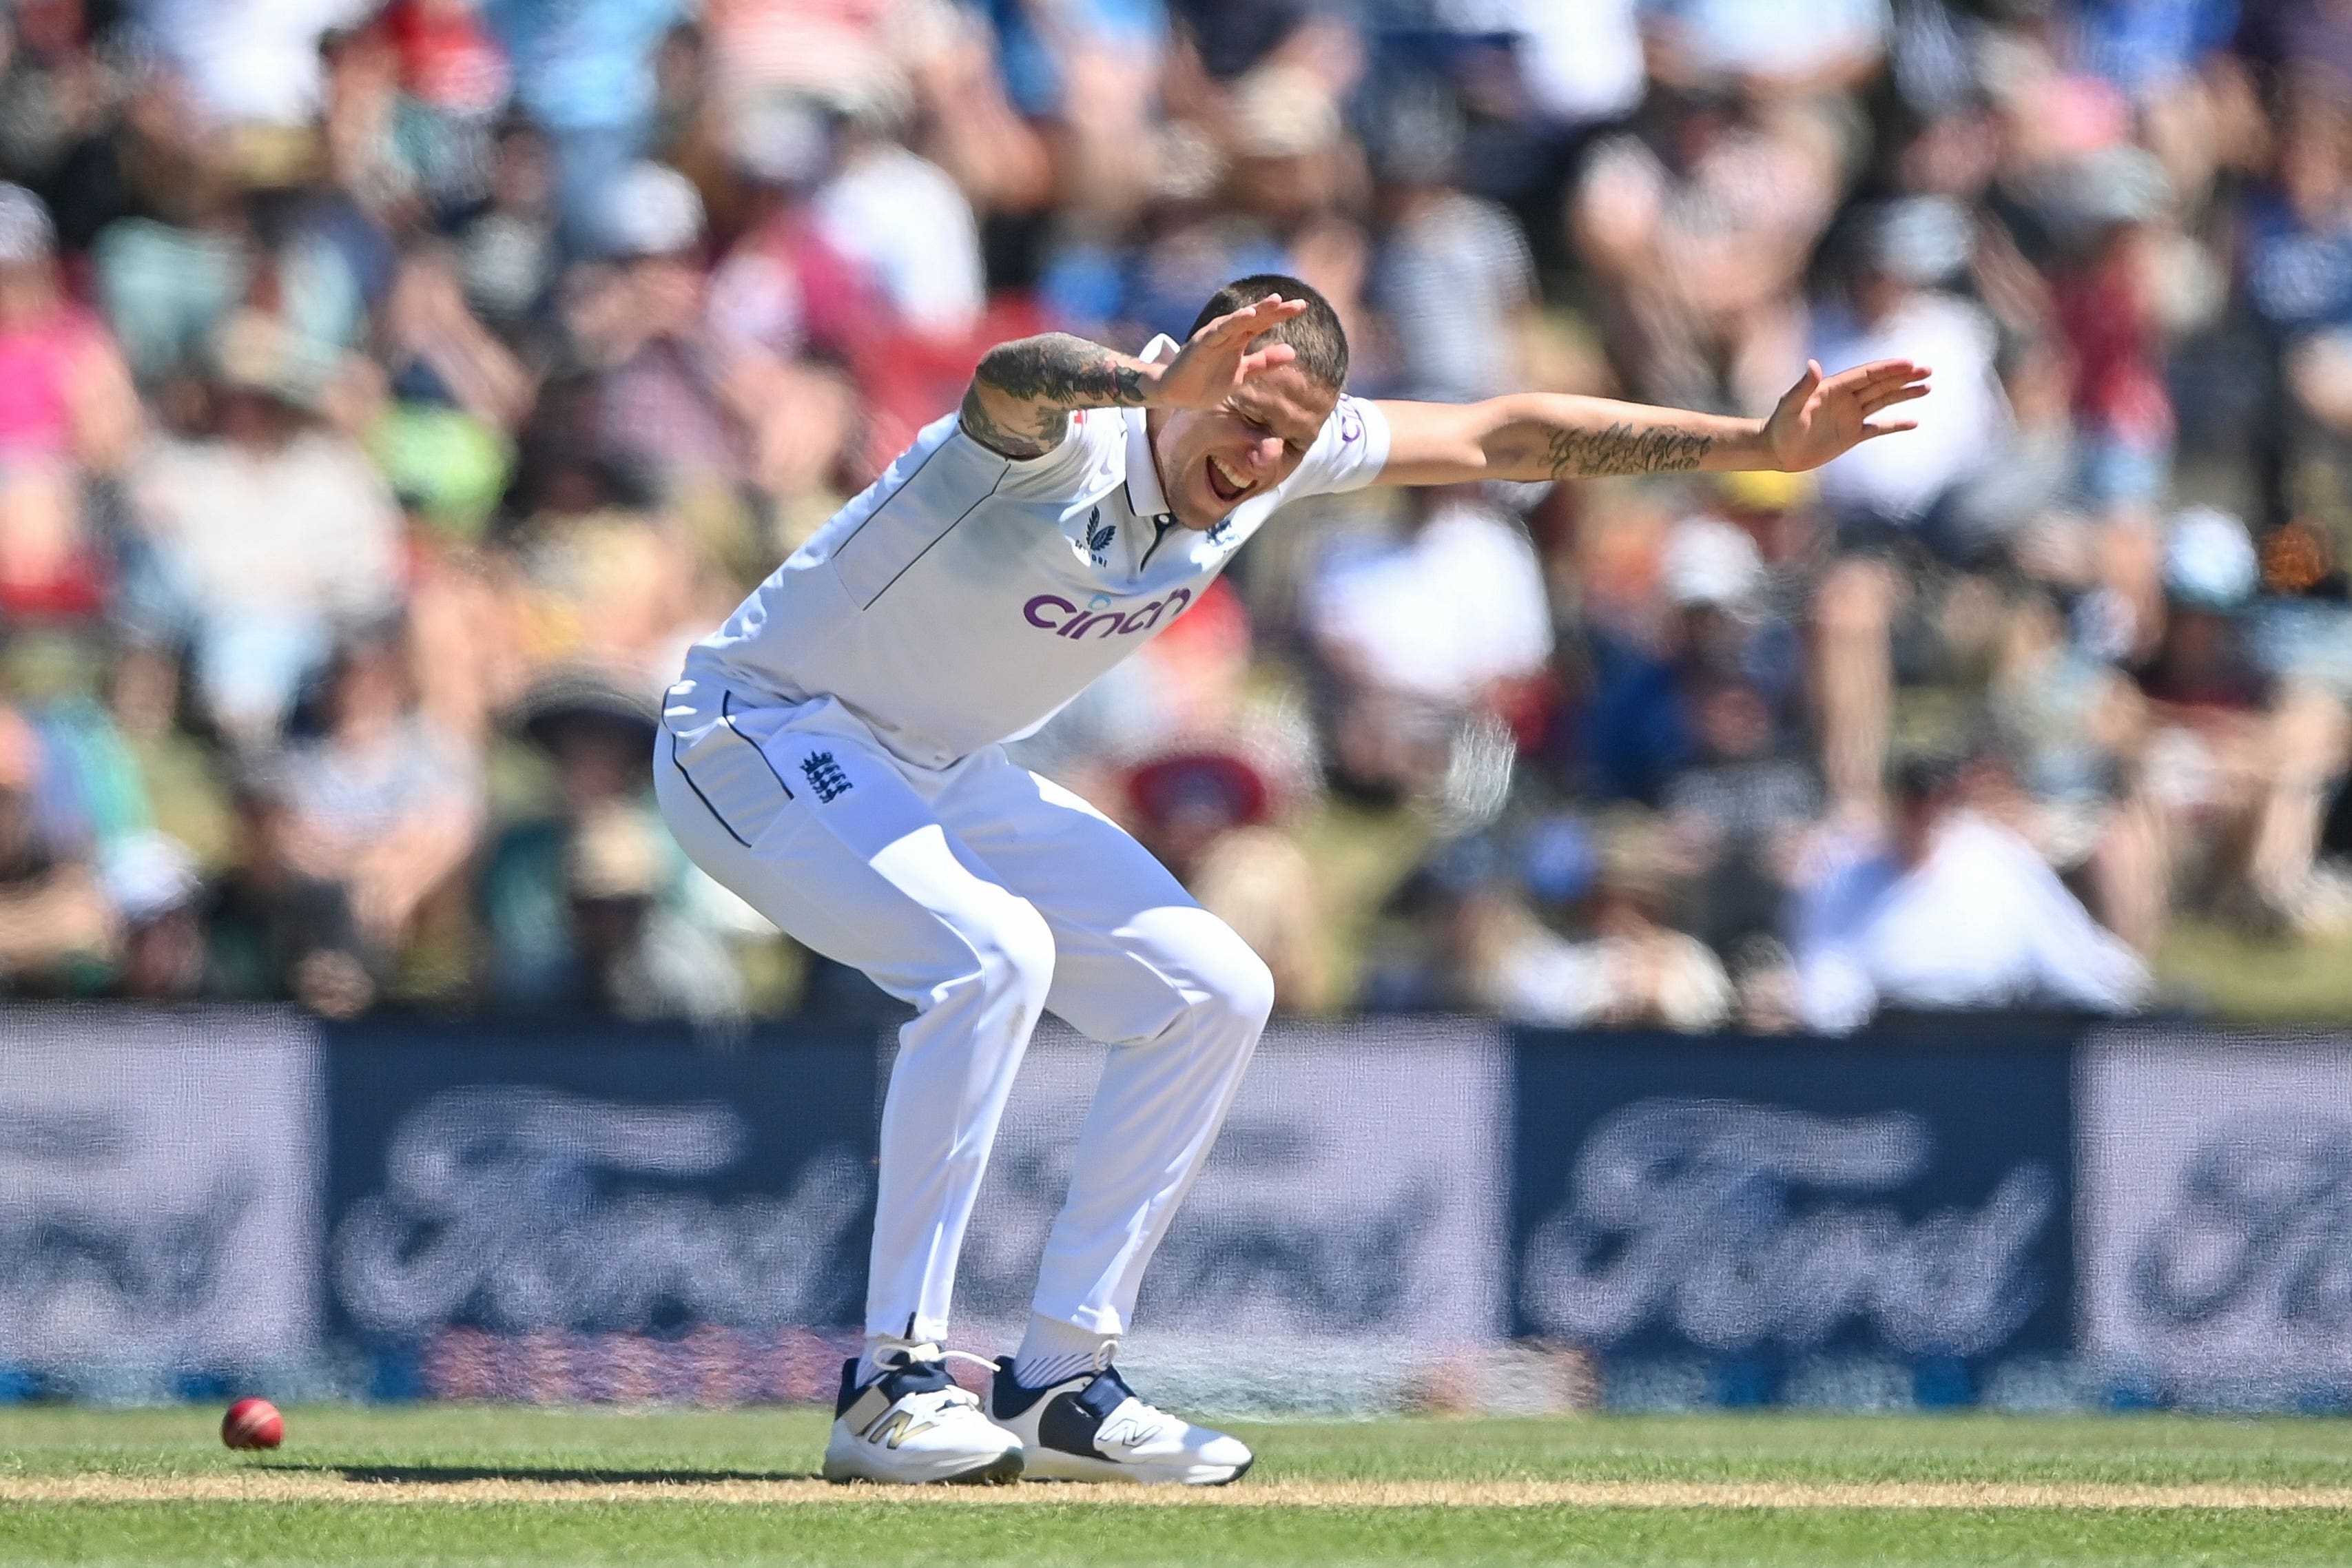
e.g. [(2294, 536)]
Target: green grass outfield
[(459, 1484)]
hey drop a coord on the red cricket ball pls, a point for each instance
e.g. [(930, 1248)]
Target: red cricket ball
[(253, 1424)]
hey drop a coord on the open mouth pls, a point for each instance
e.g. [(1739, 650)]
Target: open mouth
[(1225, 483)]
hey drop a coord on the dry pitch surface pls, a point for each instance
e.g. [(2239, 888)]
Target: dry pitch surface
[(451, 1485)]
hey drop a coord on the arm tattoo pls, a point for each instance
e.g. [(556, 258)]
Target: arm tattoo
[(1032, 439), (1063, 371), (1051, 375), (1619, 448)]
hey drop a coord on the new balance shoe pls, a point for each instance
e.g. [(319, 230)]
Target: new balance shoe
[(912, 1426), (1093, 1427)]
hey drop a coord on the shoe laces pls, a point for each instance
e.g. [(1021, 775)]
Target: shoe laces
[(914, 1351)]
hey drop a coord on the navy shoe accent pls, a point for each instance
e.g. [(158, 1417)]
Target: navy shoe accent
[(1007, 1395), (896, 1383), (1071, 1421), (848, 1394)]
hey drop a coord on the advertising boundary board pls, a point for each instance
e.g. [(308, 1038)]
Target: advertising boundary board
[(158, 1188), (2021, 1212), (1882, 1220), (562, 1211), (2216, 1180)]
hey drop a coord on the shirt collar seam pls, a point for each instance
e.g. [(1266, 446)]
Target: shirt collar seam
[(1145, 494)]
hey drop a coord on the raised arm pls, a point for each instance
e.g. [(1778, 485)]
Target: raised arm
[(1020, 400), (1542, 435)]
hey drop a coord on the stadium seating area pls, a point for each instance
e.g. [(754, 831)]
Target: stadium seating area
[(390, 392)]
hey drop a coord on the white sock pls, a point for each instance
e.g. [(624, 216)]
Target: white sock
[(1052, 1351)]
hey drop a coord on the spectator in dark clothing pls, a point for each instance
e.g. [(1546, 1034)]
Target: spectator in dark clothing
[(278, 933)]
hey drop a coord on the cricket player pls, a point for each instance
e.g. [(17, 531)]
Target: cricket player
[(833, 754)]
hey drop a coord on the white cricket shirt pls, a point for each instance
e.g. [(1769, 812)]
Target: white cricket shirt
[(965, 597)]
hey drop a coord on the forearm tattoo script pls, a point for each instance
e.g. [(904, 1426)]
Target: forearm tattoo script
[(1038, 381), (1619, 448)]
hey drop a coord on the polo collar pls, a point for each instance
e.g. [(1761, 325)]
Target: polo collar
[(1143, 490)]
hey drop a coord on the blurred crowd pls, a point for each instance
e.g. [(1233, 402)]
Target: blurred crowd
[(390, 392)]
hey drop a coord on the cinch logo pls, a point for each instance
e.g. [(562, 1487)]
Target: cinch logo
[(1057, 615), (824, 777)]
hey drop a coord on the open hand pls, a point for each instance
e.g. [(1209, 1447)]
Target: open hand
[(1825, 417), (1206, 372)]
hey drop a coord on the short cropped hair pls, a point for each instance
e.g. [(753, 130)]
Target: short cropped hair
[(1314, 335)]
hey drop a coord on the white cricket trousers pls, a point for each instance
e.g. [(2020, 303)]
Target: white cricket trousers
[(982, 895)]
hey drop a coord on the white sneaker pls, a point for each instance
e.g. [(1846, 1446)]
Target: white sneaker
[(1093, 1427), (913, 1426)]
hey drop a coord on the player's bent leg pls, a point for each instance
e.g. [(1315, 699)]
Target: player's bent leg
[(911, 1424), (1155, 1115), (1160, 1102), (948, 1087), (1182, 1000), (1139, 964), (864, 872)]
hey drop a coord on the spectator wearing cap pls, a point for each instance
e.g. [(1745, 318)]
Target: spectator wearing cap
[(1637, 727), (589, 576), (67, 416), (249, 62), (584, 901), (454, 81), (262, 540), (635, 957), (781, 285), (1272, 137), (681, 403), (153, 882)]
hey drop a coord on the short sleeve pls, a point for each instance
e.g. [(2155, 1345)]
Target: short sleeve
[(1347, 456), (1096, 439)]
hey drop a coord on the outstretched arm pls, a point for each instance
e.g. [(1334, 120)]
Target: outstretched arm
[(1020, 400), (1535, 436)]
